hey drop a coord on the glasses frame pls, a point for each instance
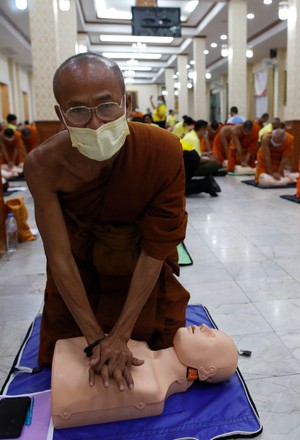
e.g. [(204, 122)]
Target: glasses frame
[(94, 109)]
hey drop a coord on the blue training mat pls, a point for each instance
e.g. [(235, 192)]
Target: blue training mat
[(204, 411)]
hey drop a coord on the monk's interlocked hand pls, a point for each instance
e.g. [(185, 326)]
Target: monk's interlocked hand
[(112, 359)]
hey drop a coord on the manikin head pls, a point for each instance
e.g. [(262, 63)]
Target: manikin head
[(211, 352)]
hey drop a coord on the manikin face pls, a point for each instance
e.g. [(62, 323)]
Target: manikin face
[(210, 351)]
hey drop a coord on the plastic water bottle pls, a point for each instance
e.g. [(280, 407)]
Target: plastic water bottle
[(11, 233)]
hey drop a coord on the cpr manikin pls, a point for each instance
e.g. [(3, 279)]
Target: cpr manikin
[(198, 353)]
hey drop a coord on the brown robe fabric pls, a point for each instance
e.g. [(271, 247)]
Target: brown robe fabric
[(142, 189)]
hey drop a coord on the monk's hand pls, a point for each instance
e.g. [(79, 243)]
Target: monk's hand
[(112, 359), (276, 176)]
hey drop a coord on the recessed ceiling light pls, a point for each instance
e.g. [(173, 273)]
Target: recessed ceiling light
[(213, 45), (136, 68), (21, 4), (135, 39), (103, 11), (206, 52), (223, 37), (141, 56), (250, 16), (267, 2)]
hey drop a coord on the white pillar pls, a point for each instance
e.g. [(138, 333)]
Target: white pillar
[(279, 84), (293, 62), (53, 40), (183, 90), (169, 81), (200, 95), (237, 62)]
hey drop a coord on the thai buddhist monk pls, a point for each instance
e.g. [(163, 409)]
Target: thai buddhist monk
[(273, 158), (12, 151), (221, 143), (110, 208), (243, 145)]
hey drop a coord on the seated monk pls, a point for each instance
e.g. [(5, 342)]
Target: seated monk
[(81, 398), (243, 145), (273, 157)]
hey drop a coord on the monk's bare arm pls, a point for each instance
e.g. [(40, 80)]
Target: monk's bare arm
[(235, 136), (224, 136), (265, 141), (112, 358), (43, 180)]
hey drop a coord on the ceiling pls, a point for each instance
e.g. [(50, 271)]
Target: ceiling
[(209, 19)]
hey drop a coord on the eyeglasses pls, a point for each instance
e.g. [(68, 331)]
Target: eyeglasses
[(107, 112)]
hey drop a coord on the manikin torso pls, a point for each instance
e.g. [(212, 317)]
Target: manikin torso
[(161, 375), (203, 352)]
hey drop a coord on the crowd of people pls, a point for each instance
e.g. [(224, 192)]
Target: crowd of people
[(240, 146)]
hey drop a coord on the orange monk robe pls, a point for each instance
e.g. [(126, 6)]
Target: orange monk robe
[(249, 144), (276, 155), (298, 182), (203, 145), (218, 147), (207, 142), (30, 142), (14, 150)]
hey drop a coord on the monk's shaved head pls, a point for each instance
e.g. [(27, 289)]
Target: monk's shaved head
[(75, 62)]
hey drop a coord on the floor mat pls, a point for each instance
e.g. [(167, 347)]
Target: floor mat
[(204, 412), (184, 258), (291, 198), (253, 183), (231, 173), (19, 178)]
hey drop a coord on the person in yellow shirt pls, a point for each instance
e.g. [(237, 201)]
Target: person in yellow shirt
[(273, 125), (191, 164), (182, 128), (159, 111), (171, 120), (208, 164)]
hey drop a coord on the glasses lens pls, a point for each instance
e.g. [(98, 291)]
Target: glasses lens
[(78, 115), (108, 111)]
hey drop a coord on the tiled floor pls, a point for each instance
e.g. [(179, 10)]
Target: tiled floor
[(246, 250)]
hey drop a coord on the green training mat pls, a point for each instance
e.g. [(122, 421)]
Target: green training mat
[(184, 258)]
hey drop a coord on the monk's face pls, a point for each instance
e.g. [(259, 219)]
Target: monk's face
[(88, 83)]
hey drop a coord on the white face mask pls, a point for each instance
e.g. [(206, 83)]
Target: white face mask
[(103, 143), (277, 144)]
